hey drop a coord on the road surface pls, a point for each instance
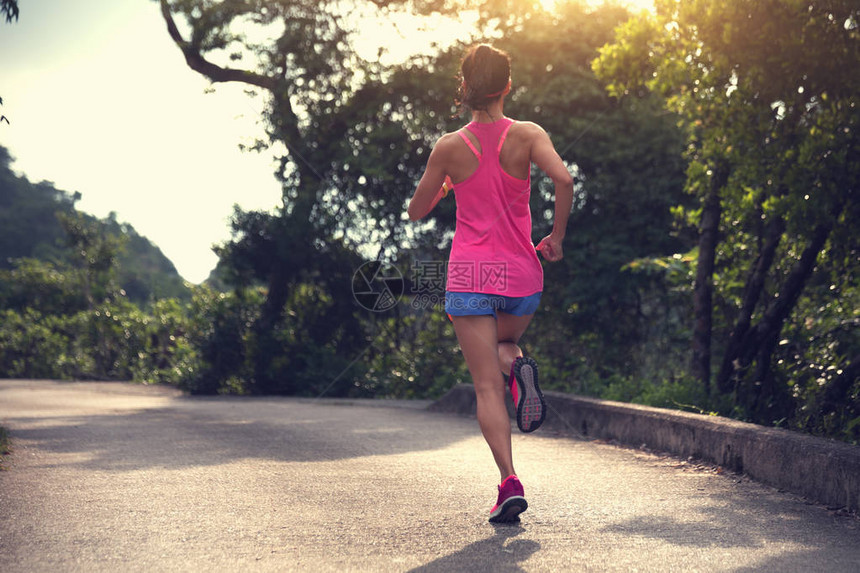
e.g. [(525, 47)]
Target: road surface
[(121, 477)]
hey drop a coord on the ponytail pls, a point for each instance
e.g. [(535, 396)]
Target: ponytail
[(484, 75)]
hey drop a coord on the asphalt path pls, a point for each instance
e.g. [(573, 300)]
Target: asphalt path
[(122, 477)]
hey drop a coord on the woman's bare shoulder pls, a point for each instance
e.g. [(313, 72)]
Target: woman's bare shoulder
[(448, 138), (528, 128), (447, 142)]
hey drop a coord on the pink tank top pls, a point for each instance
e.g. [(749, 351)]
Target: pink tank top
[(492, 251)]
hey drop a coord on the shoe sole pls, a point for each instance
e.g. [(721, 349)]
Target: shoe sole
[(510, 510), (531, 407)]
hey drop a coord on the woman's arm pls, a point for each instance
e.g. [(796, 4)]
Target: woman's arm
[(431, 188), (546, 158)]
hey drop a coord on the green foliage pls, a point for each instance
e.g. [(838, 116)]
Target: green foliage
[(9, 9), (643, 110), (29, 347), (143, 271), (414, 355), (170, 357), (317, 338), (64, 312), (626, 157), (28, 224), (38, 221), (816, 361), (674, 393), (375, 143), (760, 91), (5, 445), (218, 330), (92, 254), (42, 285), (113, 341), (312, 350)]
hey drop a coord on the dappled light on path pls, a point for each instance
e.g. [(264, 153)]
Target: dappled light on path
[(108, 476)]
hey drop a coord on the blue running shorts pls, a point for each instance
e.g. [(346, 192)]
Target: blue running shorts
[(477, 304)]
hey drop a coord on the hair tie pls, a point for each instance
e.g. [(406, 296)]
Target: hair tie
[(494, 94)]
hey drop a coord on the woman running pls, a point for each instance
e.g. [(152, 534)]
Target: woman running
[(495, 278)]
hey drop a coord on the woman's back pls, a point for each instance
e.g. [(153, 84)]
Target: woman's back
[(492, 251), (514, 156)]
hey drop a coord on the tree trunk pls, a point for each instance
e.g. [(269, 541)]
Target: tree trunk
[(704, 285), (293, 259), (836, 395), (772, 321), (198, 63), (763, 394), (752, 295)]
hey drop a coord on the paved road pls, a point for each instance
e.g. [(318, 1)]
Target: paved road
[(118, 477)]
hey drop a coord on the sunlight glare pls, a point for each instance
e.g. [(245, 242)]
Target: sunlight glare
[(634, 6), (395, 37)]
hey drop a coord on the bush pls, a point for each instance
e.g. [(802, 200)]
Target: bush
[(213, 358), (31, 346), (114, 341), (414, 356)]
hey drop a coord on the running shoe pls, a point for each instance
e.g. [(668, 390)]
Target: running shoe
[(528, 399), (510, 503)]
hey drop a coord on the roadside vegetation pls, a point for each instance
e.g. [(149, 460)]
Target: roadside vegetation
[(712, 255), (5, 446)]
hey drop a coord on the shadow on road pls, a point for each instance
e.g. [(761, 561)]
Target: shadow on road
[(204, 432), (801, 534), (592, 504), (494, 553)]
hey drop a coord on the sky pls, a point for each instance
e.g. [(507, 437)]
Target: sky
[(100, 101)]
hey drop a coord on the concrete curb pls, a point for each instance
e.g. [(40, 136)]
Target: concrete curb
[(821, 470)]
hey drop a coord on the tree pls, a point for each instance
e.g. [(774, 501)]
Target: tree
[(302, 67), (593, 326), (361, 148), (315, 88), (9, 9), (29, 228), (28, 224), (773, 161), (625, 156)]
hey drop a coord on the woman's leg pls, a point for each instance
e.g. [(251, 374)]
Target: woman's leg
[(528, 399), (478, 340), (510, 328)]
